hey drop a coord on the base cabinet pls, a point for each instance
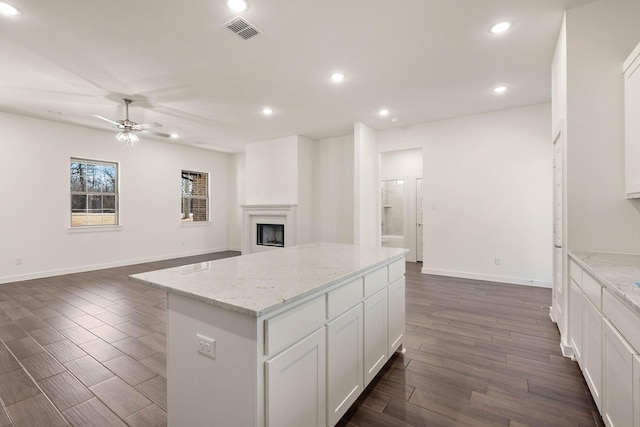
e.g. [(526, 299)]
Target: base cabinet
[(575, 320), (295, 384), (636, 391), (617, 383), (375, 334), (396, 301), (592, 350), (345, 371)]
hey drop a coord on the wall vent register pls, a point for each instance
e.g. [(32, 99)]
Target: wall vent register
[(270, 235)]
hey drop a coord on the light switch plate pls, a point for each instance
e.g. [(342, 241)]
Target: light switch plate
[(206, 346)]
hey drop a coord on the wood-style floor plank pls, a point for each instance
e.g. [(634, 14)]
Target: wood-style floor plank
[(478, 354)]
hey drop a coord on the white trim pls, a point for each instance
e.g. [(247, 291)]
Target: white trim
[(92, 228), (81, 269), (488, 277), (284, 214)]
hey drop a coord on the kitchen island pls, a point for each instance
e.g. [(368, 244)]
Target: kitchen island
[(288, 337)]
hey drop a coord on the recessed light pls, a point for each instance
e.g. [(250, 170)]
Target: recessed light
[(500, 89), (337, 77), (384, 112), (174, 135), (501, 27), (267, 111), (9, 10), (237, 5)]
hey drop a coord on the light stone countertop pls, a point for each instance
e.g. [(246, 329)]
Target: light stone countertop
[(617, 272), (259, 283)]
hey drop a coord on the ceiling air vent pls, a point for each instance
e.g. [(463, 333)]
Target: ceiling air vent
[(242, 28)]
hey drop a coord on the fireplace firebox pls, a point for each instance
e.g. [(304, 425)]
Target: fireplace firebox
[(270, 235)]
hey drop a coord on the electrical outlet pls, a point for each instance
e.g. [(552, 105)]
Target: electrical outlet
[(496, 261), (206, 346), (19, 260)]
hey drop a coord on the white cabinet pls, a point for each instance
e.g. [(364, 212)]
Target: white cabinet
[(345, 371), (375, 334), (592, 349), (575, 320), (617, 382), (295, 384), (636, 391), (632, 134), (396, 298)]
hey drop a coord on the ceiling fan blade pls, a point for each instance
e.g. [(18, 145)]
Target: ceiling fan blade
[(143, 126), (152, 132), (107, 120)]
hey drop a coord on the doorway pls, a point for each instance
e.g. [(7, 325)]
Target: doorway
[(399, 174)]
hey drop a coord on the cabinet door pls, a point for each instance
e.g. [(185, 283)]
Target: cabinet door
[(375, 334), (396, 315), (345, 372), (617, 382), (636, 391), (295, 384), (575, 320), (592, 349)]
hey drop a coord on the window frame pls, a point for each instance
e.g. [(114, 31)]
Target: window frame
[(89, 194), (191, 198)]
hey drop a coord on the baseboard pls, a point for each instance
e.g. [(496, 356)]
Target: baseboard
[(488, 277), (82, 269)]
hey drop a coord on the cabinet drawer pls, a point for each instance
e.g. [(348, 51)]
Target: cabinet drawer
[(575, 272), (396, 270), (342, 299), (286, 328), (625, 320), (592, 290), (375, 281)]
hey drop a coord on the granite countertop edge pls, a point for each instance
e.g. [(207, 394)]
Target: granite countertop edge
[(630, 298), (270, 307)]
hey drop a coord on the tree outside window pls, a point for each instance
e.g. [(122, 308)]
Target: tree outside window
[(94, 193)]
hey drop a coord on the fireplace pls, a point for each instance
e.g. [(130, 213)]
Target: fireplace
[(263, 227), (270, 235)]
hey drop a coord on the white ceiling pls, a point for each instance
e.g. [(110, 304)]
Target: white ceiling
[(424, 60)]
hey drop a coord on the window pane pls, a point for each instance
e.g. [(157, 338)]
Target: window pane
[(78, 177), (109, 203), (93, 177), (109, 178), (78, 203), (95, 203)]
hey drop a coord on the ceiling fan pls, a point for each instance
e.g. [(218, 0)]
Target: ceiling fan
[(128, 127)]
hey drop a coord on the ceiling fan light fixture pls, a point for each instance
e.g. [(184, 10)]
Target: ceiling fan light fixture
[(237, 5), (127, 137), (9, 10)]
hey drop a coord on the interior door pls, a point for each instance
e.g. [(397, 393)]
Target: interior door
[(419, 234), (558, 311)]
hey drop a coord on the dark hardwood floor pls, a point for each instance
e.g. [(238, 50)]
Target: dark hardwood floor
[(89, 349)]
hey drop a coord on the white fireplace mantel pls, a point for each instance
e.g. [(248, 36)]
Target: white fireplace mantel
[(271, 214)]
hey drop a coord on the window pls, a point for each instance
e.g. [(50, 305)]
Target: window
[(94, 193), (195, 196)]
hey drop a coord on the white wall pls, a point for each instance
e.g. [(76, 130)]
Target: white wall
[(333, 192), (237, 188), (367, 222), (600, 36), (487, 193), (34, 185), (272, 172)]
